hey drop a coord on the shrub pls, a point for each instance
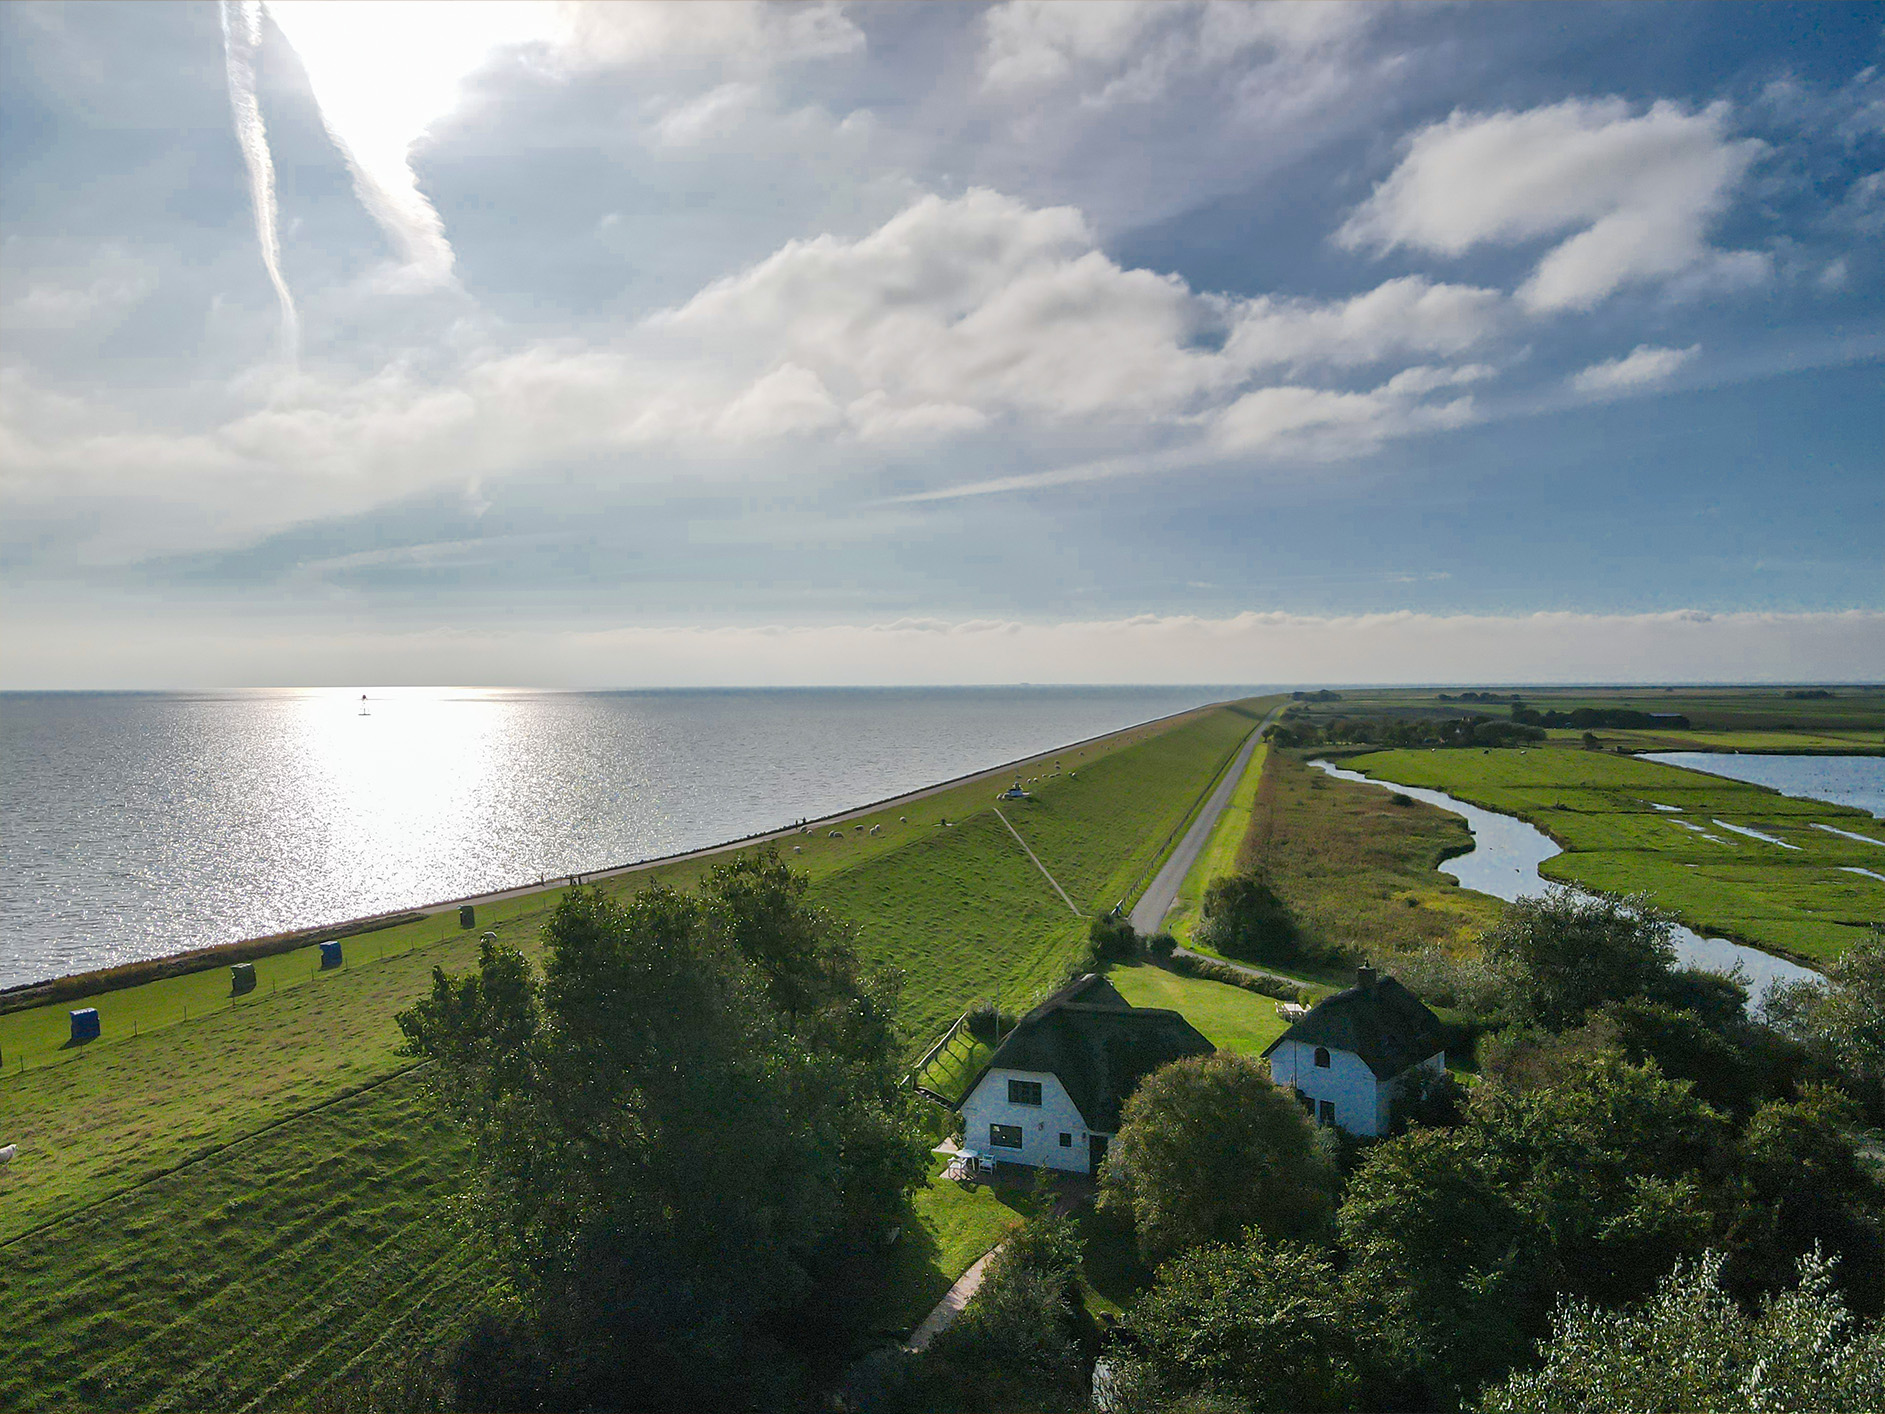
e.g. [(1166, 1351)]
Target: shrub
[(1244, 918), (1269, 1324), (1112, 939), (1691, 1347)]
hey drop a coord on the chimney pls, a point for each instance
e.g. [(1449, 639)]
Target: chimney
[(1364, 977)]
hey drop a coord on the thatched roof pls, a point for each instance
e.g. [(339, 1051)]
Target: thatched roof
[(1099, 1046), (1377, 1019)]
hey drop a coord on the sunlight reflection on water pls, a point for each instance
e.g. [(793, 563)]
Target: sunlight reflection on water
[(137, 824)]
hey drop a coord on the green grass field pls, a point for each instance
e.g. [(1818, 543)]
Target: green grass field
[(1794, 897), (1355, 869), (241, 1207), (1720, 719)]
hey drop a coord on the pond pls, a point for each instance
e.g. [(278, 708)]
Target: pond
[(1504, 862)]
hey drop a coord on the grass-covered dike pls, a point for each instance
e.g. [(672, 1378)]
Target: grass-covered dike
[(238, 1208)]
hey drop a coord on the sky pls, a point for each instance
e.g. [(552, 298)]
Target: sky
[(648, 345)]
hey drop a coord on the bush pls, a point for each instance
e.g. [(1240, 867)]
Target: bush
[(1244, 918), (1112, 939), (1161, 946), (1269, 1324), (1019, 1341), (1691, 1347)]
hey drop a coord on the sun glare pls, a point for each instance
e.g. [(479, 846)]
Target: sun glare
[(383, 71)]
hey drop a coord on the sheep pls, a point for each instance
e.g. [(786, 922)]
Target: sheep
[(837, 834), (903, 819), (6, 1154), (877, 829)]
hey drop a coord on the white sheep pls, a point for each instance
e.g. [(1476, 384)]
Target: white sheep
[(6, 1154)]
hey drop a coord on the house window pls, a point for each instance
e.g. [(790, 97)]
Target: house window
[(1325, 1111), (1066, 1141), (1004, 1136), (1024, 1092), (1322, 1059)]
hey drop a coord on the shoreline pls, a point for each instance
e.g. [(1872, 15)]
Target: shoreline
[(22, 996)]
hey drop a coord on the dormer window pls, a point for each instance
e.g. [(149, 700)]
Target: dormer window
[(1024, 1092), (1322, 1059)]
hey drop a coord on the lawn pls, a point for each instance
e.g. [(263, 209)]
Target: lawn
[(1231, 1018), (1794, 896), (242, 1205), (262, 1272), (951, 1225)]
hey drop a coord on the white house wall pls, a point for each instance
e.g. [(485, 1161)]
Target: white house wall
[(1041, 1125), (1361, 1102), (1346, 1080)]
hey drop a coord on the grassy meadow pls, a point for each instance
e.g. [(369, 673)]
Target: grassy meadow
[(1790, 893), (241, 1207), (1355, 869)]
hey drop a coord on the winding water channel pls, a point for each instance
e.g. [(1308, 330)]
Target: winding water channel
[(1504, 862)]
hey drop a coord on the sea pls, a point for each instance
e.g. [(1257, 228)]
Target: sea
[(135, 825)]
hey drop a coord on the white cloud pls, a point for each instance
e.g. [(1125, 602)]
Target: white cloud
[(117, 286), (129, 647), (1410, 315), (1643, 366), (1317, 422), (1133, 50), (743, 33), (1639, 192), (979, 302), (951, 318)]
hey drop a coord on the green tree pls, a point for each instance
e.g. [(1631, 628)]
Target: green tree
[(1842, 1020), (1018, 1343), (1111, 938), (1690, 1346), (1806, 1190), (1452, 1272), (1243, 917), (1616, 1166), (1265, 1323), (685, 1124), (1460, 1239), (1570, 951), (1209, 1147)]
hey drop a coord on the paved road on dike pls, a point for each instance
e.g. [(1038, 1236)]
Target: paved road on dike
[(1149, 912)]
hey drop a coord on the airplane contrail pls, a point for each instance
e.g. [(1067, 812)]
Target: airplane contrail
[(242, 37)]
